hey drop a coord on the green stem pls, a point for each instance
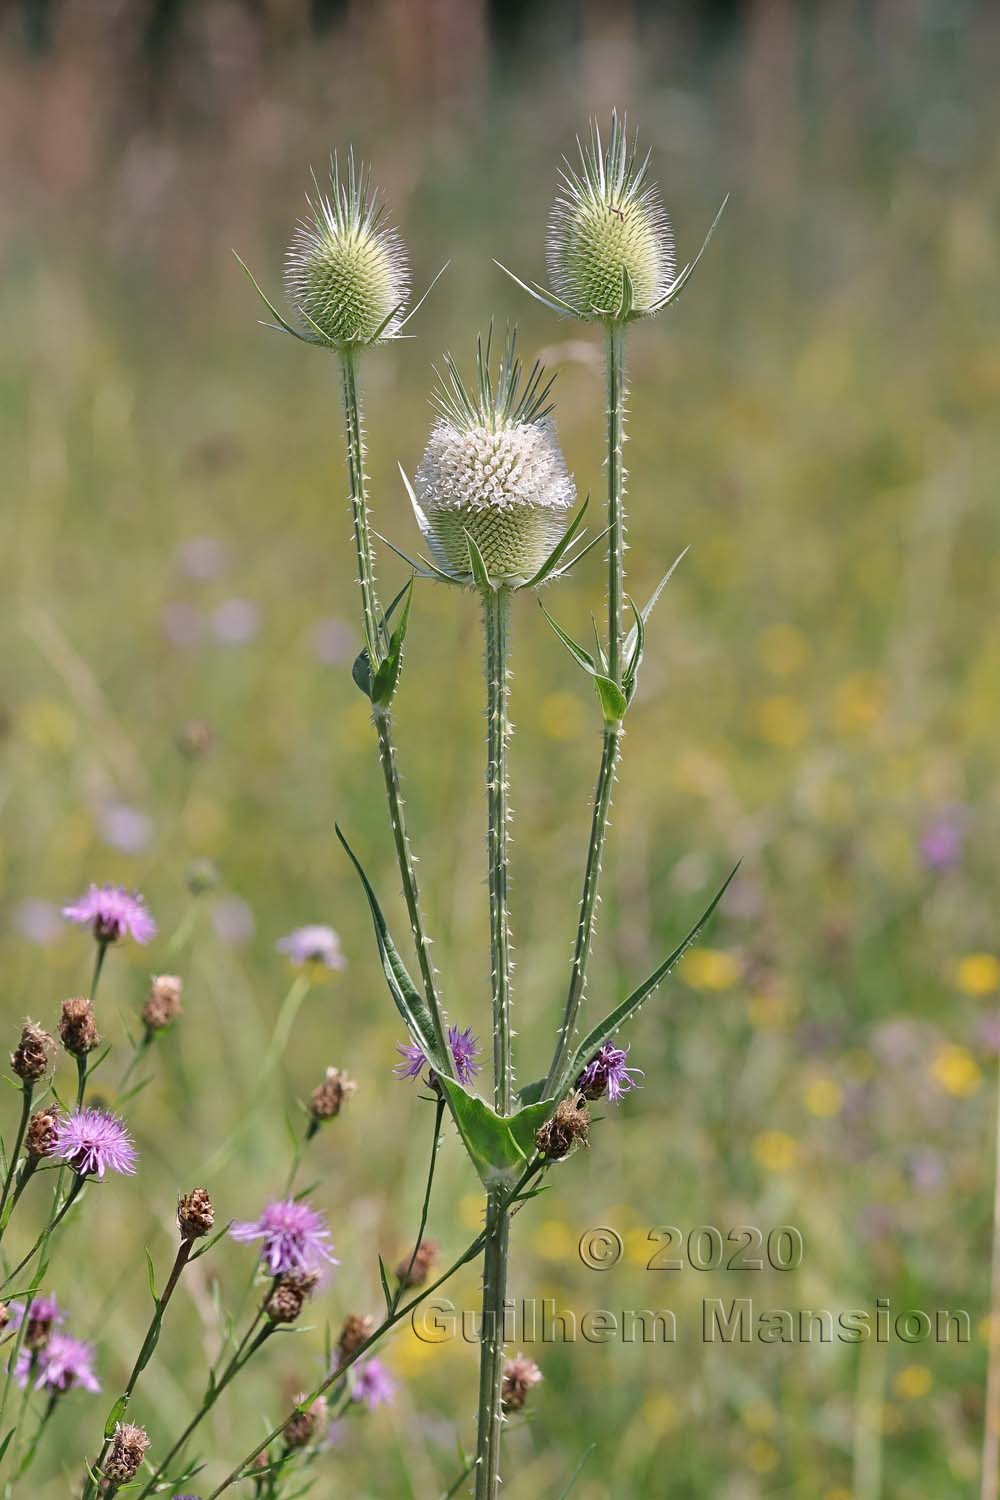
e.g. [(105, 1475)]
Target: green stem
[(372, 625), (142, 1358), (42, 1239), (27, 1089), (425, 1208), (496, 610)]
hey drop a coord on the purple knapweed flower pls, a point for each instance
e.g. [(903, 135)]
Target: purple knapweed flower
[(606, 1073), (313, 945), (464, 1050), (62, 1364), (295, 1238), (44, 1315), (112, 912), (91, 1141), (941, 840), (373, 1384)]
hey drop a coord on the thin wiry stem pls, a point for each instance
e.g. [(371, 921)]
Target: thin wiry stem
[(371, 616), (27, 1089), (496, 610), (612, 732), (404, 1281)]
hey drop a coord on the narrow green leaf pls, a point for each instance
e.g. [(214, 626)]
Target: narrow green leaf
[(409, 1002), (627, 303), (477, 567), (559, 550), (115, 1415), (679, 282), (631, 638), (547, 299), (634, 657), (606, 1029), (282, 326), (361, 670), (613, 700), (387, 676), (385, 1287), (581, 657), (151, 1277), (214, 1240), (6, 1443)]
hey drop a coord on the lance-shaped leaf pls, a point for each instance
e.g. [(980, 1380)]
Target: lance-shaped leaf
[(547, 299), (632, 640), (477, 567), (679, 282), (387, 675), (606, 1029), (409, 1001), (613, 701), (559, 550), (499, 1146), (362, 670)]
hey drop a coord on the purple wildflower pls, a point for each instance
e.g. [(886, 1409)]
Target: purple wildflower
[(941, 840), (43, 1315), (294, 1238), (606, 1073), (313, 945), (91, 1140), (62, 1364), (112, 912), (373, 1384), (464, 1050)]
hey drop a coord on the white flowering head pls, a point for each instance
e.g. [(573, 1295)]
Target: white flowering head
[(346, 272), (610, 250), (492, 471)]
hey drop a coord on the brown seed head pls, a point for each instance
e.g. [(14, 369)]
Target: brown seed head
[(77, 1028), (355, 1332), (128, 1449), (289, 1296), (195, 1214), (195, 739), (569, 1125), (423, 1262), (30, 1058), (164, 1003), (326, 1100), (4, 1315), (519, 1375), (303, 1426), (40, 1136)]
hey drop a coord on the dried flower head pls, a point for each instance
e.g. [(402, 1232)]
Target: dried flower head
[(40, 1136), (5, 1315), (610, 250), (195, 739), (62, 1364), (464, 1050), (519, 1375), (112, 913), (289, 1296), (128, 1449), (373, 1385), (30, 1057), (424, 1260), (163, 1004), (327, 1099), (91, 1141), (77, 1027), (304, 1425), (569, 1126), (346, 273), (493, 471), (195, 1214), (313, 945), (294, 1237), (606, 1073), (356, 1331)]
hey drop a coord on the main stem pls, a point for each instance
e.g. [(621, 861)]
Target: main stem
[(496, 611), (612, 732), (371, 618)]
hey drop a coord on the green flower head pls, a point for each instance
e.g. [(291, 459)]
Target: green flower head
[(346, 272), (610, 250)]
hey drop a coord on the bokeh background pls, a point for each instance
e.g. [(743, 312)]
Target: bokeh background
[(816, 419)]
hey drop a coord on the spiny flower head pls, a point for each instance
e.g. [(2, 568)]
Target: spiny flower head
[(493, 470), (112, 912), (313, 945), (606, 1073), (346, 272), (91, 1141), (464, 1050), (78, 1027), (62, 1364), (373, 1384), (163, 1003), (128, 1449), (610, 250), (294, 1237), (195, 1214)]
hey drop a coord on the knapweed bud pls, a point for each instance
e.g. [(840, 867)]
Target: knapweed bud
[(519, 1375), (493, 471), (128, 1449), (289, 1296), (569, 1125), (326, 1099), (424, 1261), (40, 1136), (303, 1427), (43, 1315), (77, 1028), (195, 1214), (610, 251), (30, 1057), (355, 1332), (163, 1004), (346, 273)]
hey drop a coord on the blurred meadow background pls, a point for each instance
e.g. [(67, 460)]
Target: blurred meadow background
[(816, 419)]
